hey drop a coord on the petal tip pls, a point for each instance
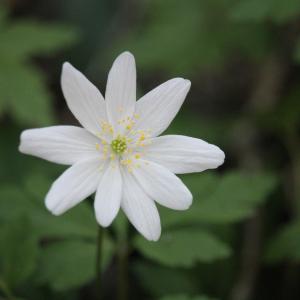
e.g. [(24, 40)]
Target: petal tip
[(104, 222), (21, 147), (155, 239), (126, 54), (51, 208), (187, 85), (188, 82), (66, 65), (222, 157), (188, 202), (155, 236), (24, 141), (21, 144), (125, 57), (53, 205), (218, 155), (66, 72)]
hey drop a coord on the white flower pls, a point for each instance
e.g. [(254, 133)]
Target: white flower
[(117, 153)]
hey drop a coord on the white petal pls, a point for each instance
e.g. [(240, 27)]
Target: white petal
[(163, 186), (108, 196), (140, 209), (83, 99), (59, 144), (74, 185), (120, 95), (157, 109), (182, 154)]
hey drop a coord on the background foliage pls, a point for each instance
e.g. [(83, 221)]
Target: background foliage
[(241, 238)]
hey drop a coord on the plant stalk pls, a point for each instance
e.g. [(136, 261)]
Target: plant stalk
[(99, 263), (123, 270)]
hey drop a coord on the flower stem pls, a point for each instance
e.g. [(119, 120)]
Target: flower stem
[(99, 263), (122, 256), (123, 270)]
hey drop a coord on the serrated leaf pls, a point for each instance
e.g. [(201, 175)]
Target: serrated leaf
[(209, 47), (161, 281), (23, 39), (226, 199), (71, 264), (17, 200), (18, 251), (77, 222), (23, 92), (284, 245), (188, 247), (24, 95)]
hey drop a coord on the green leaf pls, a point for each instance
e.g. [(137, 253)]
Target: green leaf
[(29, 200), (77, 222), (284, 12), (23, 39), (18, 251), (160, 280), (254, 10), (184, 297), (12, 203), (71, 264), (23, 92), (199, 32), (285, 245), (188, 247), (275, 10), (226, 199)]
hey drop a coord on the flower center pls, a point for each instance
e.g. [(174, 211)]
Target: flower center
[(119, 145)]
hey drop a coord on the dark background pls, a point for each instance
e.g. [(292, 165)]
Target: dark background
[(240, 240)]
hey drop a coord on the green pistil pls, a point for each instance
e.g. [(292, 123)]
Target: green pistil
[(118, 145)]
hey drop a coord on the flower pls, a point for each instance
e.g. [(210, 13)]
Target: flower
[(118, 153)]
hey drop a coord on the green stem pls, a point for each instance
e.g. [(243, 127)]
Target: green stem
[(122, 256), (123, 270), (99, 263)]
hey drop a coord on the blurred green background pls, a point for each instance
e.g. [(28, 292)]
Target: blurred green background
[(240, 240)]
